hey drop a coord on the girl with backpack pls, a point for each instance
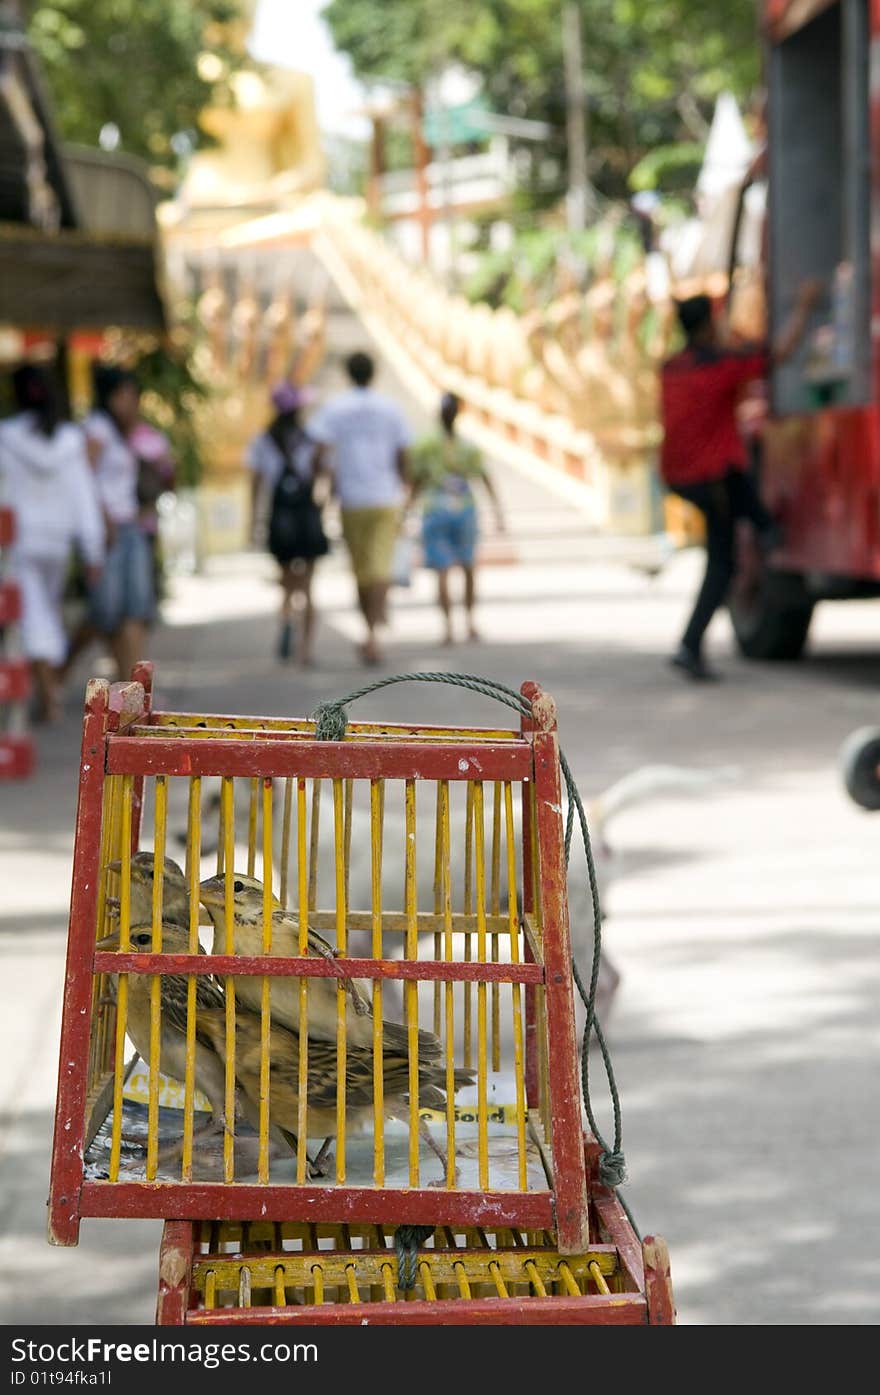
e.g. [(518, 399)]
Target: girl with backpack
[(284, 463)]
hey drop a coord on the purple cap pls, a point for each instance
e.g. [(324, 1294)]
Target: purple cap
[(288, 397)]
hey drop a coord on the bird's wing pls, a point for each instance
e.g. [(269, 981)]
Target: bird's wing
[(209, 997)]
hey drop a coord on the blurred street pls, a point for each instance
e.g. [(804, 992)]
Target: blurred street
[(743, 919)]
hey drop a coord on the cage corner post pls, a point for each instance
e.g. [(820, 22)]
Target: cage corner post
[(175, 1272), (566, 1125), (76, 1021), (143, 673), (658, 1282)]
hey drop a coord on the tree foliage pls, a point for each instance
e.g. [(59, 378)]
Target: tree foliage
[(653, 68), (132, 64)]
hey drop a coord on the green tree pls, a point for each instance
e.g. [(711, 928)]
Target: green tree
[(133, 64), (653, 68)]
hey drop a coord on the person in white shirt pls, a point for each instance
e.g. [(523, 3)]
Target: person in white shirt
[(365, 438), (45, 479)]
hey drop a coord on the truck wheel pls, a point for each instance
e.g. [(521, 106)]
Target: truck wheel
[(860, 767), (771, 615)]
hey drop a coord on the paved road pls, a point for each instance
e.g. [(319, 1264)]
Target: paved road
[(744, 920)]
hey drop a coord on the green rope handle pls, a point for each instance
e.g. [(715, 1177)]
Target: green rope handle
[(331, 722)]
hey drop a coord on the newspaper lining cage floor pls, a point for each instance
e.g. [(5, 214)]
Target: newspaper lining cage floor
[(346, 1000)]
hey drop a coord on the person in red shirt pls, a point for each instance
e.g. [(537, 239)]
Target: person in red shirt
[(703, 457)]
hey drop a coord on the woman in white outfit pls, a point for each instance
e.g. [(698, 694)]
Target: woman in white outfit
[(46, 480)]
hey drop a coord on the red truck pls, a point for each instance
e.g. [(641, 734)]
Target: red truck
[(818, 450)]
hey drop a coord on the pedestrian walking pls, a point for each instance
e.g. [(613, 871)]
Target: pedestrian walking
[(46, 480), (156, 476), (366, 443), (444, 471), (284, 461), (123, 604), (704, 457)]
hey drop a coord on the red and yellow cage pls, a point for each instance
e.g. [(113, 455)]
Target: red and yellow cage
[(435, 858)]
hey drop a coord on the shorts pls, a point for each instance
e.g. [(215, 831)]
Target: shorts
[(126, 589), (449, 537), (370, 535), (41, 585)]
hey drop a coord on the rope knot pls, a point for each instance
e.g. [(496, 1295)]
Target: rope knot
[(612, 1169), (331, 721)]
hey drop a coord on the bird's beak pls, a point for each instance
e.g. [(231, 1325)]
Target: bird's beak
[(212, 892), (109, 941), (134, 872)]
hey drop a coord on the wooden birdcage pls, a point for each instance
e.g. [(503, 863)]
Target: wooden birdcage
[(440, 1009)]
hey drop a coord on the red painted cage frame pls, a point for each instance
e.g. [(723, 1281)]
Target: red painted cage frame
[(530, 755)]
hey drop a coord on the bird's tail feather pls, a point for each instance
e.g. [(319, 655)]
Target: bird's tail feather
[(395, 1036)]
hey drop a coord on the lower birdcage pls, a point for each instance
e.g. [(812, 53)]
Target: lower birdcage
[(225, 1273), (322, 977)]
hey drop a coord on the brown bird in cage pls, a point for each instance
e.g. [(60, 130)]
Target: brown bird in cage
[(175, 891), (284, 993), (210, 1073), (322, 1077)]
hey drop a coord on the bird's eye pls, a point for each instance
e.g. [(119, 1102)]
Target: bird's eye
[(143, 938), (238, 886)]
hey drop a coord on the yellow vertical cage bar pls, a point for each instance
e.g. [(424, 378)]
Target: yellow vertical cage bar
[(314, 842), (342, 947), (449, 987), (598, 1278), (516, 994), (427, 1281), (115, 783), (278, 1288), (265, 1014), (498, 1278), (468, 908), (285, 841), (377, 812), (535, 1278), (412, 988), (160, 821), (227, 810), (495, 908), (126, 790), (302, 857), (349, 813), (318, 1275), (253, 806), (388, 1284), (569, 1282), (462, 1277), (438, 899), (98, 1042), (193, 865), (221, 832), (482, 1035), (354, 1295)]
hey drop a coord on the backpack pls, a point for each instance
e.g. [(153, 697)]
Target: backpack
[(295, 528)]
